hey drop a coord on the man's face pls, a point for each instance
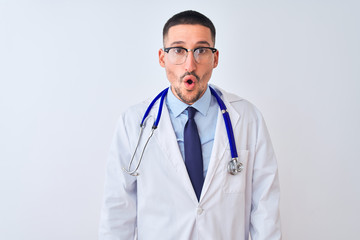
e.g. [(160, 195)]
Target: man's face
[(188, 80)]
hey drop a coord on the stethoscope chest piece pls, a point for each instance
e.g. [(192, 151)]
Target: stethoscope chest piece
[(235, 167)]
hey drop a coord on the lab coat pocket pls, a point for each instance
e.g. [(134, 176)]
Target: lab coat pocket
[(236, 183)]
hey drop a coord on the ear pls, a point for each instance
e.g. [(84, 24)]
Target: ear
[(216, 59), (161, 57)]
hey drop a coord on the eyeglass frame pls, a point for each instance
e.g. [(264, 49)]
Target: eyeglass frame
[(213, 50)]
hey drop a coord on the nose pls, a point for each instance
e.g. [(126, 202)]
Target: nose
[(190, 63)]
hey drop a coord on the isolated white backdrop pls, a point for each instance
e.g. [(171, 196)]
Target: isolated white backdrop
[(69, 68)]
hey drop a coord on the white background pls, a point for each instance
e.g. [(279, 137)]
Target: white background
[(69, 68)]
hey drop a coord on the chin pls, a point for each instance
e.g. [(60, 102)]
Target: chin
[(191, 98)]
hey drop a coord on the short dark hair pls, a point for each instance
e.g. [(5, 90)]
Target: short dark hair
[(189, 17)]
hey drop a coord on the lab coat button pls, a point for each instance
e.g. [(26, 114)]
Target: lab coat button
[(199, 211)]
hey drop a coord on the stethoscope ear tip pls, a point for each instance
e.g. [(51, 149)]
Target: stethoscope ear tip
[(133, 173)]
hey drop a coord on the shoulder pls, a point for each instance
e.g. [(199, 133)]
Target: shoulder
[(242, 106), (134, 114)]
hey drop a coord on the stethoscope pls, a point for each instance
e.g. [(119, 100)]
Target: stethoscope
[(234, 166)]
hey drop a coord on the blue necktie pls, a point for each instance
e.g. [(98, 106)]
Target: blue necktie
[(193, 155)]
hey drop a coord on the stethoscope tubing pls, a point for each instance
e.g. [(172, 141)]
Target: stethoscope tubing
[(234, 166), (162, 94), (228, 124)]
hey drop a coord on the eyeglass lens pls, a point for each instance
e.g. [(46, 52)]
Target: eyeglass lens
[(179, 55)]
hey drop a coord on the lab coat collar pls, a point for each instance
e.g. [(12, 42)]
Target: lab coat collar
[(221, 141), (169, 146)]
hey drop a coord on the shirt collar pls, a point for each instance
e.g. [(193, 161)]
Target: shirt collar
[(177, 107)]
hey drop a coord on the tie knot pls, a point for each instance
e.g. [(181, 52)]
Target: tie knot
[(191, 112)]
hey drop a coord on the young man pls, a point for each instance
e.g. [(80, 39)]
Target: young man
[(184, 188)]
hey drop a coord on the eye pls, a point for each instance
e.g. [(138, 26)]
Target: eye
[(178, 50), (201, 50)]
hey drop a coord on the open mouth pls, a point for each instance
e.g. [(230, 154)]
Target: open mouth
[(190, 81)]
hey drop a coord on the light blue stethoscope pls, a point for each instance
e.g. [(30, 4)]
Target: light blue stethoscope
[(234, 166)]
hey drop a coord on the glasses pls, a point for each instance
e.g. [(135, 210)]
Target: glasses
[(178, 55)]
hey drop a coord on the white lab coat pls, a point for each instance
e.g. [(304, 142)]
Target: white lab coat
[(161, 204)]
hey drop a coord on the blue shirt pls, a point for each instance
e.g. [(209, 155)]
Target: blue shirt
[(205, 119)]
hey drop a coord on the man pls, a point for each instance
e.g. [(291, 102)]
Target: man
[(183, 189)]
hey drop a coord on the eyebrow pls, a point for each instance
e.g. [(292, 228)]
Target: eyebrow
[(204, 42), (176, 43), (182, 42)]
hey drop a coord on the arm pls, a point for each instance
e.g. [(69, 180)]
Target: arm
[(265, 216), (118, 214)]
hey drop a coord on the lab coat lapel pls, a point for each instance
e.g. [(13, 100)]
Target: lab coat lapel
[(167, 141), (221, 142)]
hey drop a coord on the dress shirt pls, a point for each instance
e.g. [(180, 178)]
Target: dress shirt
[(205, 119)]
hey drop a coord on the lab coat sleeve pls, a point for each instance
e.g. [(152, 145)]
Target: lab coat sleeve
[(118, 214), (265, 216)]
